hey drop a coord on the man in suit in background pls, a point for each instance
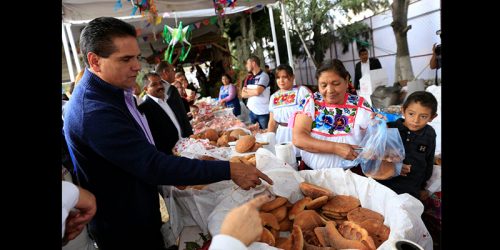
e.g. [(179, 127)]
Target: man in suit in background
[(173, 97), (165, 127), (364, 66)]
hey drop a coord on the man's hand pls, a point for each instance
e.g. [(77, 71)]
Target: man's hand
[(247, 176), (243, 222), (76, 221)]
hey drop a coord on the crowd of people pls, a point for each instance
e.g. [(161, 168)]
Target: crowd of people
[(118, 145)]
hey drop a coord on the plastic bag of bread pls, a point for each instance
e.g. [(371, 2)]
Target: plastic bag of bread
[(382, 152)]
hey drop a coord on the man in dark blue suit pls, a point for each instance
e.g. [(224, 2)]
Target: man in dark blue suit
[(114, 151), (364, 66)]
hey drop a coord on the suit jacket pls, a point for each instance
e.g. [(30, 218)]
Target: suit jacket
[(162, 128), (374, 64), (122, 169), (178, 105)]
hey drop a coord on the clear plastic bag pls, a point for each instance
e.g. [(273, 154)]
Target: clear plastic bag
[(382, 152)]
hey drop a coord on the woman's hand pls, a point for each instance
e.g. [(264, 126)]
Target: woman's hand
[(347, 151), (373, 114)]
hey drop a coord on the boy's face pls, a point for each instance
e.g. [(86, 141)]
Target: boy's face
[(417, 116)]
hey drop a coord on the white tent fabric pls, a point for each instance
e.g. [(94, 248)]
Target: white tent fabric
[(76, 11)]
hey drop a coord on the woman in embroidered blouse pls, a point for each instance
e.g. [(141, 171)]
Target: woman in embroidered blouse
[(227, 95), (284, 103), (332, 122)]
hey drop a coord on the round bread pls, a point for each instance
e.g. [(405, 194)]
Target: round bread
[(360, 214), (279, 213), (237, 132), (298, 207), (341, 204), (223, 141), (378, 231), (269, 220), (284, 243), (267, 237), (211, 134), (286, 225), (245, 143), (317, 203), (278, 202), (308, 220), (255, 147), (314, 191), (353, 231), (297, 238), (384, 172)]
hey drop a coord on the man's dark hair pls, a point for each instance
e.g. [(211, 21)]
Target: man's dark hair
[(334, 65), (425, 99), (145, 80), (285, 67), (362, 50), (162, 66), (255, 59), (98, 35)]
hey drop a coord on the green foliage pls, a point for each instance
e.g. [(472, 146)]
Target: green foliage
[(359, 32)]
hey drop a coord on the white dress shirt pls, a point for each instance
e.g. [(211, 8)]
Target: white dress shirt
[(164, 105), (70, 194), (365, 68), (226, 242)]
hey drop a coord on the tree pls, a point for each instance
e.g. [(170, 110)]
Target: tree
[(313, 19), (404, 70)]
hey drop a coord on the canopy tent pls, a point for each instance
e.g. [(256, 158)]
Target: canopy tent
[(77, 13)]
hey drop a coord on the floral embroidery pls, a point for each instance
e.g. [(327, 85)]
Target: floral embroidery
[(334, 120), (303, 101), (285, 98)]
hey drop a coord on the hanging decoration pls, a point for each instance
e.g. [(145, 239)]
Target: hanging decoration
[(219, 6), (146, 8), (173, 36)]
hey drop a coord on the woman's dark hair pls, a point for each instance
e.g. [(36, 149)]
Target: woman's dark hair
[(334, 65), (228, 77), (98, 35), (425, 99), (285, 67)]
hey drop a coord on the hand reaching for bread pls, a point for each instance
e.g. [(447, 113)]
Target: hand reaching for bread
[(247, 176)]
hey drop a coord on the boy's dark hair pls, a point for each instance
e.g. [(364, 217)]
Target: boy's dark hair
[(285, 67), (362, 50), (334, 65), (98, 35), (255, 59), (425, 99)]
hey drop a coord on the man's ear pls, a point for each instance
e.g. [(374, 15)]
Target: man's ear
[(93, 59)]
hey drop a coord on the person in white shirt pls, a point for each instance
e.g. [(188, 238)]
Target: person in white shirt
[(257, 91), (74, 220), (241, 227), (364, 66)]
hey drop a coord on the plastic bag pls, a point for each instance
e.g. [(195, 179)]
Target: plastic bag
[(382, 151)]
